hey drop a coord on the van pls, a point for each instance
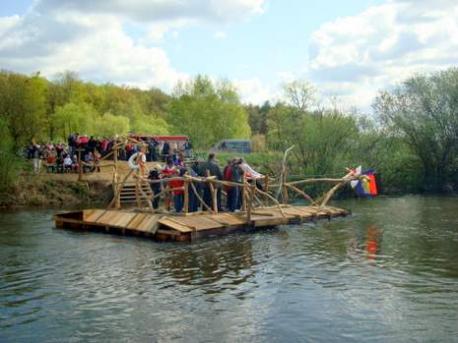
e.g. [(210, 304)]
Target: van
[(242, 146)]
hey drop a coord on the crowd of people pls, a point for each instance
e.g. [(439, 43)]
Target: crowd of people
[(234, 172), (66, 157), (85, 152)]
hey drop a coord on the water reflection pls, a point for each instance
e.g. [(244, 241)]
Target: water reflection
[(224, 263), (373, 239)]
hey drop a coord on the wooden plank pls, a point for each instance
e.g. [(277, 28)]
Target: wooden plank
[(149, 223), (296, 212), (172, 224), (109, 218), (228, 219), (268, 221), (199, 222), (136, 221), (307, 211), (92, 217), (87, 213), (125, 218)]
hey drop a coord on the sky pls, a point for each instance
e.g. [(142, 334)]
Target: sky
[(349, 50)]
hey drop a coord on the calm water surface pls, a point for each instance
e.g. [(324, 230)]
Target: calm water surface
[(389, 273)]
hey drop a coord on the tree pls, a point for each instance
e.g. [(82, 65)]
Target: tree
[(110, 125), (300, 94), (71, 117), (323, 139), (207, 112), (423, 110), (144, 124), (9, 163), (23, 106), (257, 117)]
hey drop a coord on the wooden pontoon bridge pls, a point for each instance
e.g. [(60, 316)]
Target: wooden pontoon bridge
[(130, 212)]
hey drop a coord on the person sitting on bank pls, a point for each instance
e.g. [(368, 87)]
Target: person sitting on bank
[(68, 163)]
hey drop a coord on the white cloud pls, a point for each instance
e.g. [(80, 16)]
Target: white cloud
[(90, 37), (157, 10), (254, 91), (354, 57), (94, 46)]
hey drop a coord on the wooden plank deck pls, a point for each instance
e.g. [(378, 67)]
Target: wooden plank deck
[(181, 227)]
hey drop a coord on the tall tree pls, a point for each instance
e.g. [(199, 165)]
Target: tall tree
[(208, 112), (424, 111), (23, 106)]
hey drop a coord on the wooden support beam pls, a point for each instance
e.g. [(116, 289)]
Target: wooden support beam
[(80, 164), (186, 196), (250, 201)]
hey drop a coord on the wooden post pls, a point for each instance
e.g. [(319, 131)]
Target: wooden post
[(186, 196), (214, 198), (137, 191), (117, 191), (284, 188), (330, 193), (80, 165), (250, 201), (213, 194), (266, 183), (244, 195)]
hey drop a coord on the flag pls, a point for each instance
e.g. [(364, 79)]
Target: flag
[(367, 187)]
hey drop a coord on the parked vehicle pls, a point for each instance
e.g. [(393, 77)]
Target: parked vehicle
[(242, 146)]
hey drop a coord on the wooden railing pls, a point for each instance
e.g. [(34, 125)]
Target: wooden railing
[(253, 195)]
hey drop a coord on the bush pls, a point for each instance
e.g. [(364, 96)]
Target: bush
[(9, 162)]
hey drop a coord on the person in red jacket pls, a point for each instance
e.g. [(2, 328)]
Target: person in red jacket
[(169, 171), (177, 187)]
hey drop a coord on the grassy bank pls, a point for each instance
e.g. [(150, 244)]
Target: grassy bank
[(30, 191)]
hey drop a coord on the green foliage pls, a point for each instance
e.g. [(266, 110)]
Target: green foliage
[(257, 117), (207, 113), (424, 112), (23, 106), (110, 125), (9, 163), (413, 146), (73, 117), (322, 140), (143, 124)]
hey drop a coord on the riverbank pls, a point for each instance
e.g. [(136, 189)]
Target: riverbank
[(49, 191)]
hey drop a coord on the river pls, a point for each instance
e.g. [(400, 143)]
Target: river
[(388, 273)]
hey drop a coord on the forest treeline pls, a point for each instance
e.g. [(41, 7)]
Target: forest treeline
[(410, 139)]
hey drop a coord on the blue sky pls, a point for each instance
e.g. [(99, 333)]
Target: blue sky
[(347, 49)]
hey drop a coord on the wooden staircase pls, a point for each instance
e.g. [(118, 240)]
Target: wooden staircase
[(128, 195)]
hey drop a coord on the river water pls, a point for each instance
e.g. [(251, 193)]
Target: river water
[(388, 273)]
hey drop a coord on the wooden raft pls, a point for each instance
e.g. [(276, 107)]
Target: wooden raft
[(176, 227)]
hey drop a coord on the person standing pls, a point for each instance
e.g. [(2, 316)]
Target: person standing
[(188, 148), (177, 187), (141, 160), (211, 168), (37, 155), (155, 186), (165, 151)]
